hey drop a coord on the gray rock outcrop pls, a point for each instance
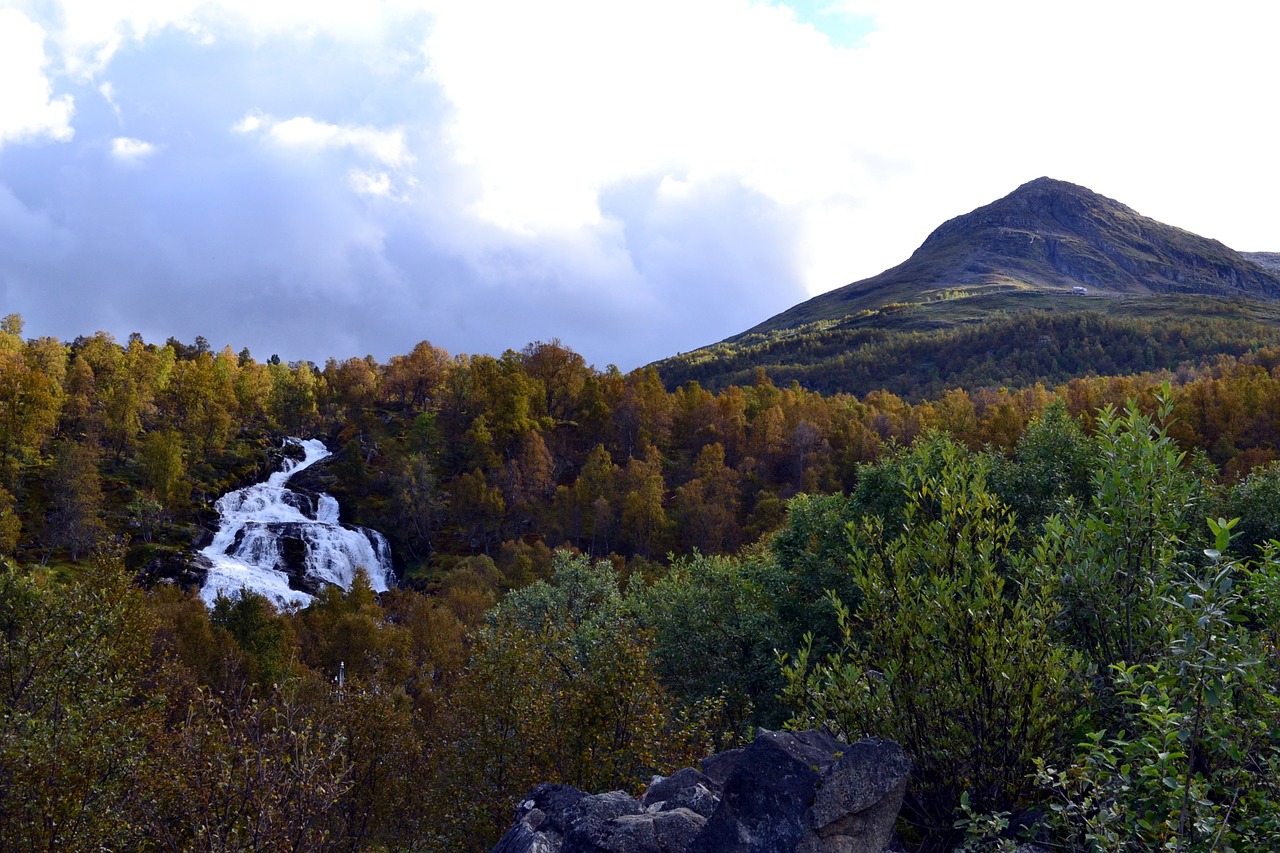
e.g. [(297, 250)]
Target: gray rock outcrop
[(858, 795), (788, 792)]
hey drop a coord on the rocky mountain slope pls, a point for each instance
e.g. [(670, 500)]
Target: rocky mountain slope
[(1055, 236), (1049, 247)]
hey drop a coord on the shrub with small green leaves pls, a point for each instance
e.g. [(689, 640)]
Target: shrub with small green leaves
[(1194, 764), (715, 627), (1124, 546), (949, 652)]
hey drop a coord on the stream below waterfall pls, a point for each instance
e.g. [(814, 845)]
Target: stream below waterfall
[(287, 545)]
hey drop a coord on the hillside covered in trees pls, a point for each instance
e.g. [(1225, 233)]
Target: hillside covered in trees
[(462, 456), (907, 350), (602, 579)]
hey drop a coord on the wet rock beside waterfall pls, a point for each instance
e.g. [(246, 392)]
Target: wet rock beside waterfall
[(293, 560), (158, 564)]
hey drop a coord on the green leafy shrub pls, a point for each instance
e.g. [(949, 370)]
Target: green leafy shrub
[(716, 629), (1123, 547), (949, 652), (1052, 463), (1194, 765), (561, 686)]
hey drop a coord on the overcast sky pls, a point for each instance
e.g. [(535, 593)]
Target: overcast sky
[(344, 178)]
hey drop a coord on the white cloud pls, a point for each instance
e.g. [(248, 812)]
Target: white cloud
[(387, 147), (943, 107), (90, 32), (684, 161), (568, 97), (131, 151), (250, 123), (108, 92), (371, 183), (28, 108), (1158, 105)]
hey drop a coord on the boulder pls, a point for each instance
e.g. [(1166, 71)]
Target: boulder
[(857, 800), (522, 839), (562, 819), (594, 826), (611, 827), (720, 767), (541, 820), (686, 789), (766, 798), (787, 792)]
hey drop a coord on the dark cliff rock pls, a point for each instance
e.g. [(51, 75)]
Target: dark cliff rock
[(1269, 261), (785, 793)]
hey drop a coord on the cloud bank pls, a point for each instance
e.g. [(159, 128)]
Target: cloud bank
[(27, 107), (636, 179)]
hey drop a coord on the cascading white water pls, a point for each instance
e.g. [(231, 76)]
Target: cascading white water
[(248, 551)]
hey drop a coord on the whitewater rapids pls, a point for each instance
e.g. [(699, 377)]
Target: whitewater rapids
[(254, 524)]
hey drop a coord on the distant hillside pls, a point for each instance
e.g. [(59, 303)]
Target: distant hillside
[(951, 314), (1004, 350)]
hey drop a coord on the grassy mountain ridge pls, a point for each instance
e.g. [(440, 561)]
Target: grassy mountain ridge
[(1028, 252)]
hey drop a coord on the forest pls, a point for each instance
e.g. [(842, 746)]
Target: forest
[(1059, 600), (920, 353)]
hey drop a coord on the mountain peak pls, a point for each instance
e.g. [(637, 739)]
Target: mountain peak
[(1050, 282), (1044, 182), (1051, 236), (1044, 207), (1047, 190)]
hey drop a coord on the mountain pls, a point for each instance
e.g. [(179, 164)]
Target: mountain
[(1049, 248), (1052, 235)]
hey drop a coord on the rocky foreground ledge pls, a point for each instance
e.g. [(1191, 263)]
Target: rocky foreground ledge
[(788, 792)]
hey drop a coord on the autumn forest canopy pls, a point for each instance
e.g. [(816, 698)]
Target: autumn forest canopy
[(601, 577)]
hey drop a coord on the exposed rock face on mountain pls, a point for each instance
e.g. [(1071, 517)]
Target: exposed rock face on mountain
[(785, 793), (1054, 235)]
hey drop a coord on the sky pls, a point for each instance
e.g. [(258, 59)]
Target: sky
[(334, 179)]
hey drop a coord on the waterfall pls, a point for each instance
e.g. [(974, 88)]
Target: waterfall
[(287, 545)]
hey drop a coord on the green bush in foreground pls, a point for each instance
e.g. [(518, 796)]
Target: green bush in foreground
[(950, 651), (1195, 763), (986, 653)]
